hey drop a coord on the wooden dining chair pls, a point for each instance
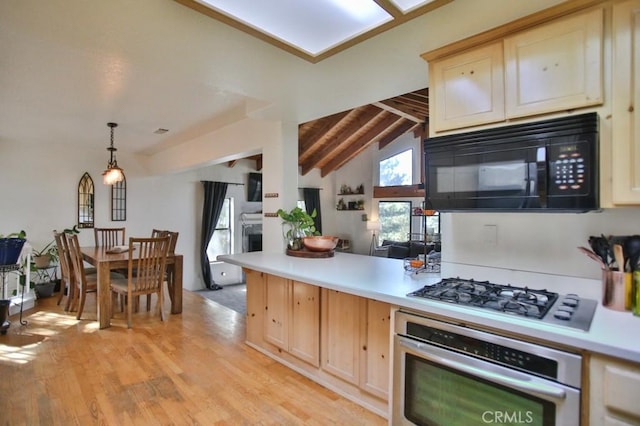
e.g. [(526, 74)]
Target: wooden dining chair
[(67, 278), (67, 273), (109, 237), (149, 266), (173, 240), (84, 282)]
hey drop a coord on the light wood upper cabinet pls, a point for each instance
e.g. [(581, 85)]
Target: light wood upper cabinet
[(536, 65), (468, 89), (626, 95), (554, 67), (614, 387)]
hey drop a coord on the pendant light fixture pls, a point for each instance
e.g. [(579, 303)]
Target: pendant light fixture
[(113, 173)]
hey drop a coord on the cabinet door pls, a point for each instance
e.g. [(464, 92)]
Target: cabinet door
[(614, 386), (304, 327), (255, 305), (626, 95), (468, 89), (555, 67), (276, 311), (341, 335), (376, 351)]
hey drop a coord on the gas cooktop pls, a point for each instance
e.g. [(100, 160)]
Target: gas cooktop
[(566, 310)]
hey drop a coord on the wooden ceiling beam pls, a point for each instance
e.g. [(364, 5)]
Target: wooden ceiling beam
[(357, 146), (399, 129), (310, 135), (335, 143)]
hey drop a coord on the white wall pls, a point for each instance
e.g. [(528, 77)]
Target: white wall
[(534, 242)]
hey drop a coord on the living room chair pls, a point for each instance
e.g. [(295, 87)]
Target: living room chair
[(109, 237), (149, 276)]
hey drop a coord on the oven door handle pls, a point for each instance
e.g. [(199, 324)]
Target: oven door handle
[(525, 386)]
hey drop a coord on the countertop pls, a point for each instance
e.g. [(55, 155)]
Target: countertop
[(612, 332)]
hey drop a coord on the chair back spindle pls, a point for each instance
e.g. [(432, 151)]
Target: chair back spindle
[(109, 237)]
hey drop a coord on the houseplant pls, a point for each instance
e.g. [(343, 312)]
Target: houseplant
[(297, 224), (46, 255)]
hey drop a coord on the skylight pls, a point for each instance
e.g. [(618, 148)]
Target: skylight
[(313, 26), (313, 29)]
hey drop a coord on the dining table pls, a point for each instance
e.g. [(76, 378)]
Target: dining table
[(106, 261)]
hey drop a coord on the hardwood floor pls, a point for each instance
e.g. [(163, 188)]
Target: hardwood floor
[(191, 369)]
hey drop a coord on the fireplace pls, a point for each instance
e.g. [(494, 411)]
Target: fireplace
[(254, 242), (251, 232)]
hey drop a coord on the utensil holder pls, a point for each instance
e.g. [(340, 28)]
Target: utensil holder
[(616, 290)]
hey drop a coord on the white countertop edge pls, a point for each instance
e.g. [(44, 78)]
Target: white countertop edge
[(383, 279)]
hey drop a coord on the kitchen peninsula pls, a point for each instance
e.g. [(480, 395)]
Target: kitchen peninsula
[(332, 320)]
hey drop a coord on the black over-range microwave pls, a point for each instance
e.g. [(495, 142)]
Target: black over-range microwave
[(549, 165)]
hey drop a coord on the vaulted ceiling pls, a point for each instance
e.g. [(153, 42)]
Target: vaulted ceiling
[(330, 142)]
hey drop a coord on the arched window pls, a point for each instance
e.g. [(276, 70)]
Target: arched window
[(85, 202)]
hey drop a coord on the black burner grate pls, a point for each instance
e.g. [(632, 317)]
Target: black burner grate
[(484, 294)]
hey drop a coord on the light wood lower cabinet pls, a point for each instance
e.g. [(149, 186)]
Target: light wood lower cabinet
[(356, 340), (341, 314), (304, 327), (255, 305), (375, 361), (614, 389), (292, 317), (339, 340)]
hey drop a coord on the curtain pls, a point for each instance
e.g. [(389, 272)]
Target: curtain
[(214, 194), (312, 201)]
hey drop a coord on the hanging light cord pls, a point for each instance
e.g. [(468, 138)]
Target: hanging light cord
[(111, 149)]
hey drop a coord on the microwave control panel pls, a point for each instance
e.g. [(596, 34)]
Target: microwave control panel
[(568, 173)]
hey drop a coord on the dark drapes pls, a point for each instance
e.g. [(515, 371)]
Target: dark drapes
[(214, 193), (312, 201)]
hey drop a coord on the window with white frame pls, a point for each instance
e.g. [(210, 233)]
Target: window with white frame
[(397, 169), (222, 239)]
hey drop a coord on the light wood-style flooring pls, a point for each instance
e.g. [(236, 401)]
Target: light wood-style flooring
[(194, 369)]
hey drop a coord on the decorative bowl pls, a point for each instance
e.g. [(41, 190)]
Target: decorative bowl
[(320, 243)]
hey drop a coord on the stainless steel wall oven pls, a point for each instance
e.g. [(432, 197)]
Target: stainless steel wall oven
[(447, 374)]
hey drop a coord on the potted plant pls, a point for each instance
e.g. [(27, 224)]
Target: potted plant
[(45, 256), (297, 224)]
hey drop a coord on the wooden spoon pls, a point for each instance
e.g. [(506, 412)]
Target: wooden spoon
[(618, 256)]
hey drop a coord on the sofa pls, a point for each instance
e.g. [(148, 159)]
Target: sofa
[(405, 249)]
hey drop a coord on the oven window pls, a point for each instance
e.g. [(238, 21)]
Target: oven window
[(437, 395)]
